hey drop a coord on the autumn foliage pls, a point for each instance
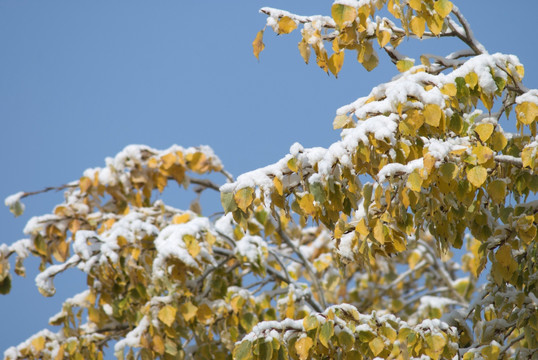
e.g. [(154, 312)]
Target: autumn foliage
[(347, 252)]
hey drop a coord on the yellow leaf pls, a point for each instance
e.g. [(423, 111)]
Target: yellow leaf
[(471, 79), (367, 56), (243, 197), (204, 313), (158, 344), (258, 45), (168, 160), (304, 49), (310, 322), (435, 23), (383, 37), (376, 345), (278, 185), (302, 346), (504, 255), (167, 315), (527, 112), (286, 25), (415, 119), (341, 121), (292, 165), (443, 7), (85, 183), (449, 89), (436, 341), (527, 156), (497, 191), (498, 141), (38, 343), (335, 62), (415, 4), (362, 228), (429, 162), (483, 153), (404, 65), (487, 100), (192, 245), (414, 258), (484, 131), (180, 219), (307, 204), (414, 181), (418, 25), (188, 311), (477, 175), (343, 14), (432, 114), (379, 232)]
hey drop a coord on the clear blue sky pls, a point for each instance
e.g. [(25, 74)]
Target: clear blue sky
[(81, 80)]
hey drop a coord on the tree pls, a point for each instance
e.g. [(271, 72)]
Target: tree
[(345, 252)]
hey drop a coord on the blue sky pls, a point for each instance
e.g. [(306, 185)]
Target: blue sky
[(81, 80)]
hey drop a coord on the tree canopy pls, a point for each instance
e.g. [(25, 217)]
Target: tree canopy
[(413, 236)]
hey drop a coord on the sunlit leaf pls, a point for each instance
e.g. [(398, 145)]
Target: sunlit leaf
[(258, 45), (167, 315), (286, 25), (477, 175), (443, 7), (343, 14)]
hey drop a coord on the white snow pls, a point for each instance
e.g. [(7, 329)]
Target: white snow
[(529, 96), (13, 199), (132, 339), (251, 247), (170, 244)]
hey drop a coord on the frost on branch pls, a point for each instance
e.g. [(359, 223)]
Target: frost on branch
[(423, 167)]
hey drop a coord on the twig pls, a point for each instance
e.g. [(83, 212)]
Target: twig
[(305, 262), (509, 345)]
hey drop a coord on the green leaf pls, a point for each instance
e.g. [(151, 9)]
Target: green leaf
[(448, 171), (243, 351), (317, 190), (346, 340), (17, 208), (497, 191), (228, 202), (404, 65), (5, 285), (247, 321), (327, 330)]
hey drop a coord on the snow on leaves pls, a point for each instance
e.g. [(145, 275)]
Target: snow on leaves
[(342, 332), (423, 167)]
